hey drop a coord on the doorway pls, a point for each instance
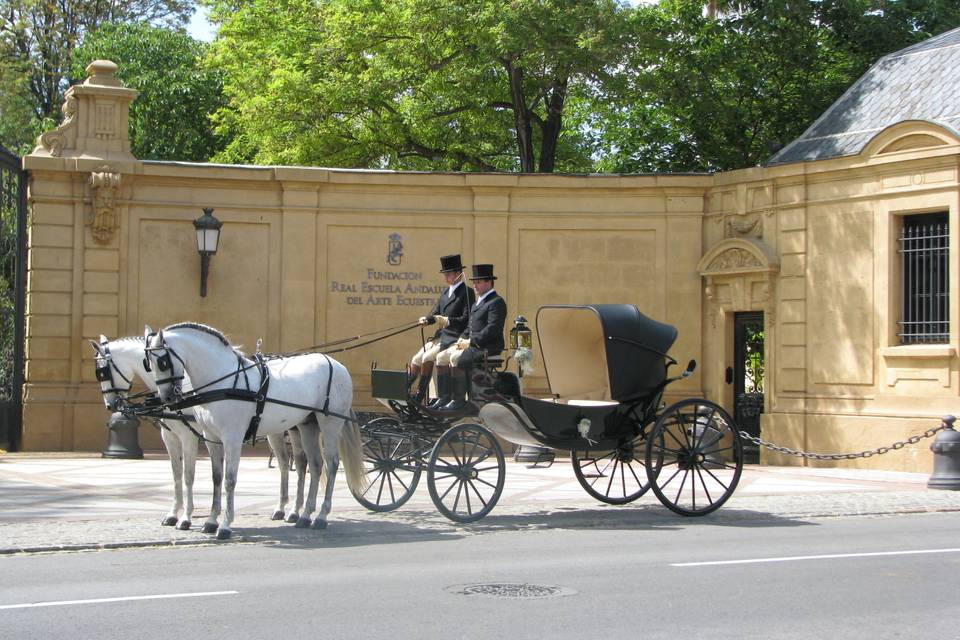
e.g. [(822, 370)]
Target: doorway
[(748, 378)]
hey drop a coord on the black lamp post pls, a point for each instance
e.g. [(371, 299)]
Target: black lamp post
[(208, 237)]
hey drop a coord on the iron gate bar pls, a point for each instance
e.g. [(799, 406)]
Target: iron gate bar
[(10, 163)]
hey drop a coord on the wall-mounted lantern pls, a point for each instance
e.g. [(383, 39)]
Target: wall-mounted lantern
[(208, 237)]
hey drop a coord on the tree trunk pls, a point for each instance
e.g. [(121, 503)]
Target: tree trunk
[(521, 118), (551, 127)]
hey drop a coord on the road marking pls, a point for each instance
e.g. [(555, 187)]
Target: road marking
[(162, 596), (831, 556)]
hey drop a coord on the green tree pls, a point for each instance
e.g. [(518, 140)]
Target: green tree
[(415, 84), (38, 37), (708, 93), (170, 119)]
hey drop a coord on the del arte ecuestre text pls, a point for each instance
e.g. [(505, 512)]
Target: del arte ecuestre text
[(389, 288)]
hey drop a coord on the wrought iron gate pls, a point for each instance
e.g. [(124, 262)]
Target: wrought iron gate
[(748, 373), (13, 263)]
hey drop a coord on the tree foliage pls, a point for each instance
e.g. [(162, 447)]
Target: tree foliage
[(707, 93), (170, 119), (415, 84), (38, 38)]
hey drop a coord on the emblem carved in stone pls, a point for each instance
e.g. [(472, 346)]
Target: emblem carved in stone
[(749, 225), (733, 259), (103, 218), (54, 141)]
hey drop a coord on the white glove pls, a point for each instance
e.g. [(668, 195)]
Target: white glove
[(422, 320), (462, 344), (443, 321)]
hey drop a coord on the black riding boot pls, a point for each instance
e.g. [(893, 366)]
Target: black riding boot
[(422, 389), (458, 393), (443, 388)]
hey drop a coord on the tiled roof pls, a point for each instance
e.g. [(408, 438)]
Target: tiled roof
[(921, 82)]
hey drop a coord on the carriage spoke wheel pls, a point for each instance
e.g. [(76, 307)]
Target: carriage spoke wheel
[(614, 477), (694, 457), (466, 472), (391, 465)]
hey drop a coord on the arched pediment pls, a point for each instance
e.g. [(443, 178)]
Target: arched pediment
[(911, 135), (738, 255)]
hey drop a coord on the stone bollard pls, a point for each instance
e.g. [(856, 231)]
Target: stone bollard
[(122, 437), (946, 458)]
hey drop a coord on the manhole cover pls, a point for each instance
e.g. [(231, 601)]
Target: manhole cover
[(511, 590)]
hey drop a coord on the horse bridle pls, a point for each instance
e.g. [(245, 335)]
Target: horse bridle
[(164, 364), (105, 373)]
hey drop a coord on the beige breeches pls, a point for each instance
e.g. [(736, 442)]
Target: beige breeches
[(449, 357), (427, 354)]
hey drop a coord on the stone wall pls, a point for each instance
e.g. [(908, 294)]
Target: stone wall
[(309, 255)]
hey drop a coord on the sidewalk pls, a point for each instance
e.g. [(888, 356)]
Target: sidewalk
[(51, 502)]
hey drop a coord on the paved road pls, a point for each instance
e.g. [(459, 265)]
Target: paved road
[(86, 502), (617, 578)]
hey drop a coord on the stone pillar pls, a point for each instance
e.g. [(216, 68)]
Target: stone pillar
[(76, 260)]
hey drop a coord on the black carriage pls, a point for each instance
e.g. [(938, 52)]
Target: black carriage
[(607, 369)]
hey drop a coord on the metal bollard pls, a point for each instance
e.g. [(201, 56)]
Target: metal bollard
[(946, 458), (122, 437)]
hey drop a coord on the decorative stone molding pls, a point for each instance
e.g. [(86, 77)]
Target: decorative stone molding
[(738, 255), (96, 118), (103, 218), (746, 225), (55, 141)]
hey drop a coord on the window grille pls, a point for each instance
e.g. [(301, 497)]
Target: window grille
[(925, 271)]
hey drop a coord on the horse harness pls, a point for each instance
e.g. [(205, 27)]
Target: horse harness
[(259, 396)]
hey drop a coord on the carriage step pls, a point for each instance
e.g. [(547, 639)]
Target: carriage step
[(533, 455)]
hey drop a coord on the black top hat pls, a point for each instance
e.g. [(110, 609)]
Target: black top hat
[(450, 263), (483, 272)]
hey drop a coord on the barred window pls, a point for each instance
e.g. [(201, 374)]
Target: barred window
[(925, 271)]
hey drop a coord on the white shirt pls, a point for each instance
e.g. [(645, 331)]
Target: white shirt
[(453, 287), (480, 299)]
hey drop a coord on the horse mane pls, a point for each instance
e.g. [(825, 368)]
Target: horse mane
[(205, 329)]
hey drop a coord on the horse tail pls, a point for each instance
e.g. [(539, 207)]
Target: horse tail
[(351, 454)]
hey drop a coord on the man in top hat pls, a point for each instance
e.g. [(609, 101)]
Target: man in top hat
[(450, 313), (484, 335)]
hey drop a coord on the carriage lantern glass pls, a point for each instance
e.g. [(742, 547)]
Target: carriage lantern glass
[(208, 237), (521, 337)]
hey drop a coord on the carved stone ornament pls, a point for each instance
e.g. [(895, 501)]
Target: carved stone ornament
[(747, 225), (103, 218), (733, 259), (54, 141)]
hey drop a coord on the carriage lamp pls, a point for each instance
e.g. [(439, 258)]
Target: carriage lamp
[(521, 337), (208, 237)]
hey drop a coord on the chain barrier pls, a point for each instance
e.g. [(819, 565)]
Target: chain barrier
[(914, 439)]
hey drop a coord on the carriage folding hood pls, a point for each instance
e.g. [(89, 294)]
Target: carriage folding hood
[(606, 352)]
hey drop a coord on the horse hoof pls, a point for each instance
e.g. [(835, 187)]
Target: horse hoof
[(169, 521), (277, 515), (209, 527), (293, 517), (319, 524), (223, 534), (303, 523), (183, 525)]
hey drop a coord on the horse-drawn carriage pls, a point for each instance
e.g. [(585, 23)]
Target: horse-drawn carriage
[(606, 366)]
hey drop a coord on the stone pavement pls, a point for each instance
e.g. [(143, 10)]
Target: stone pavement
[(61, 502)]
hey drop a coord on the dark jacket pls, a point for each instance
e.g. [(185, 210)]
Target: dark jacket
[(457, 311), (486, 324)]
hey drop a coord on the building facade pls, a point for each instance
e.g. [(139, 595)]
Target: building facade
[(841, 254)]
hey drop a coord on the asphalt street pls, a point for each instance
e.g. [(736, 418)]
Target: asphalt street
[(852, 577)]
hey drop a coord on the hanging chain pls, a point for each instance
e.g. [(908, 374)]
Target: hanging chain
[(914, 439)]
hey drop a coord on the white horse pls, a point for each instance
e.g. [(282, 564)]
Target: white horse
[(118, 363), (299, 386)]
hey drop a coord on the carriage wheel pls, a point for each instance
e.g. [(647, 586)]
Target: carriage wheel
[(614, 477), (694, 457), (466, 472), (391, 462)]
